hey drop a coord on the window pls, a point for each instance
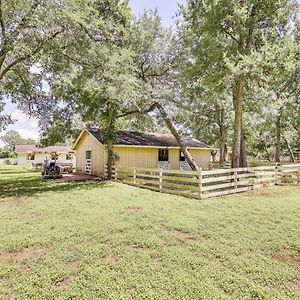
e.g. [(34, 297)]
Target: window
[(69, 156), (163, 154), (30, 156), (53, 156), (88, 154), (181, 156)]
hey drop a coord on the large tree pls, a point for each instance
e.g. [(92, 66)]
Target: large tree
[(234, 35)]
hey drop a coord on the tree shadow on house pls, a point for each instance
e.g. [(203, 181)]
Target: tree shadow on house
[(33, 184)]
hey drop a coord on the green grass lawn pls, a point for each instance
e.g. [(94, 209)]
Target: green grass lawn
[(113, 241)]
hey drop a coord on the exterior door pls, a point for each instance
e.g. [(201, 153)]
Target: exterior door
[(88, 162)]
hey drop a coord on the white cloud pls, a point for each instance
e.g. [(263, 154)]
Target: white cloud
[(22, 119), (27, 133)]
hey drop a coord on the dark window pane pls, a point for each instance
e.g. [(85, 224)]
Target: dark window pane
[(163, 154)]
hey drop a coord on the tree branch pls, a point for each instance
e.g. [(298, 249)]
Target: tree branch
[(27, 56), (137, 111), (230, 34), (2, 21)]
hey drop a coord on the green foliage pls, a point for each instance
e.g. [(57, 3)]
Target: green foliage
[(12, 138), (246, 46)]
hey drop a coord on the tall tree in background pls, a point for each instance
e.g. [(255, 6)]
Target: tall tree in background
[(156, 50), (237, 33), (13, 138)]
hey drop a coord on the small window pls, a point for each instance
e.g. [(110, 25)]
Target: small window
[(69, 156), (88, 154), (181, 156), (53, 156), (163, 154), (30, 156)]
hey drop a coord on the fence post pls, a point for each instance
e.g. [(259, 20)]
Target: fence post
[(235, 179), (160, 179), (116, 174), (200, 184), (134, 176), (298, 176)]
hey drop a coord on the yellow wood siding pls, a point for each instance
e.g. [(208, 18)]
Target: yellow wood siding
[(137, 157), (201, 157), (174, 159), (88, 143), (143, 157)]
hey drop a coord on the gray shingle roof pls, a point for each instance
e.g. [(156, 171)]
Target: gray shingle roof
[(134, 138), (34, 148)]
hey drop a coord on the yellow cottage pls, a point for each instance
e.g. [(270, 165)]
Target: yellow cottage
[(137, 149)]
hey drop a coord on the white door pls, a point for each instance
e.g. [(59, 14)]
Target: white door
[(88, 166), (88, 162)]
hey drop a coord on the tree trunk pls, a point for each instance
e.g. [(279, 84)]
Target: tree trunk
[(267, 153), (222, 138), (110, 133), (176, 135), (237, 161), (278, 139), (290, 150), (243, 156)]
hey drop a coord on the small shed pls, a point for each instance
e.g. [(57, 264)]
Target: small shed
[(137, 149)]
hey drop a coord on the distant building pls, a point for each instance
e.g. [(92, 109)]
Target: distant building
[(31, 155)]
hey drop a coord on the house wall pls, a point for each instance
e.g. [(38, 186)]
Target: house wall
[(40, 158), (143, 157), (201, 157), (139, 157), (88, 143), (21, 158)]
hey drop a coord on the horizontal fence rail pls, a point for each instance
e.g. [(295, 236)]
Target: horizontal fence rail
[(208, 183)]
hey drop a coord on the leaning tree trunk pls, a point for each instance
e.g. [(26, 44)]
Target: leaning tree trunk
[(238, 145), (290, 150), (176, 135), (278, 139), (222, 138)]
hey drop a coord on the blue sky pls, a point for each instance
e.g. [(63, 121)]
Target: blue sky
[(167, 10)]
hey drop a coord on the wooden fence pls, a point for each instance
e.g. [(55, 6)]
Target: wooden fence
[(208, 183)]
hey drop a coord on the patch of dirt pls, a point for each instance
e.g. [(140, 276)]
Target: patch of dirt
[(23, 267), (295, 284), (30, 253), (35, 216), (186, 236), (288, 256), (136, 249), (110, 258), (62, 284), (133, 209)]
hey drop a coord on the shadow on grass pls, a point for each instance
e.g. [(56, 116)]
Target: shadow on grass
[(32, 184)]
